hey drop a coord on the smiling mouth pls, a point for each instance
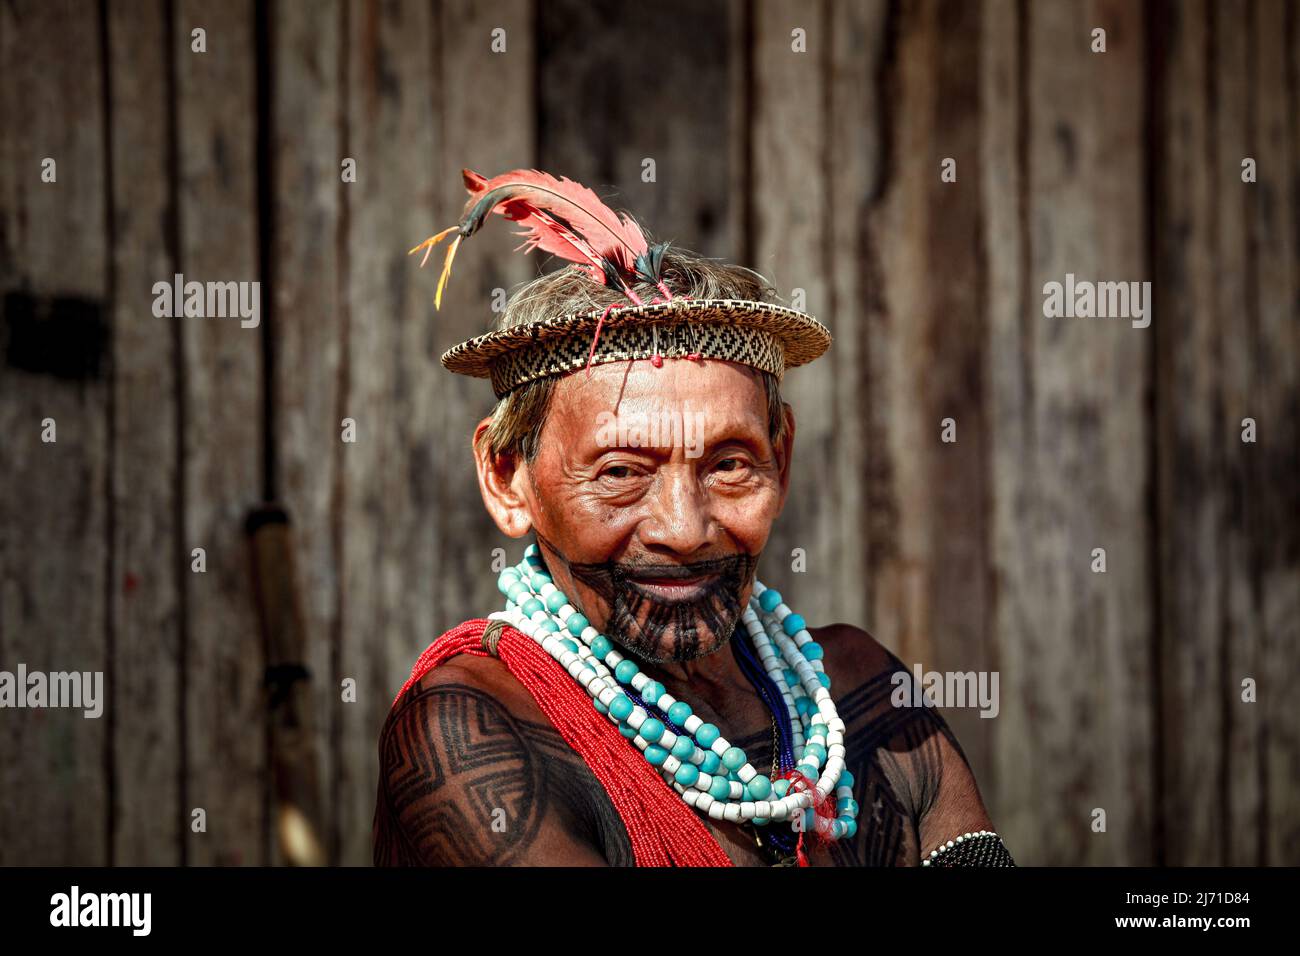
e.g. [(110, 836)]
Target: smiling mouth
[(674, 588)]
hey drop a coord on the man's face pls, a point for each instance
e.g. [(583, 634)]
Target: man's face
[(652, 496)]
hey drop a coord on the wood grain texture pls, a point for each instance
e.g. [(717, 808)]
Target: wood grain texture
[(490, 142), (1241, 834), (1075, 733), (789, 198), (928, 568), (143, 573), (1010, 302), (1269, 535), (307, 42), (1119, 691), (858, 42), (53, 512), (1192, 452), (221, 375), (389, 493), (659, 81), (1229, 568)]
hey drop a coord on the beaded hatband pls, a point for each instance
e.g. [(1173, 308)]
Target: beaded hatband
[(757, 348), (709, 773), (762, 335)]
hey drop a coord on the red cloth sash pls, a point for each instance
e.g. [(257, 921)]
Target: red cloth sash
[(663, 830)]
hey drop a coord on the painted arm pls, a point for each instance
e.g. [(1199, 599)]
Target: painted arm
[(464, 782)]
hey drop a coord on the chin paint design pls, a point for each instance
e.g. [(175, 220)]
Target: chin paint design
[(644, 611)]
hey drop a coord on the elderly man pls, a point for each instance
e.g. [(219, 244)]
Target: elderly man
[(642, 698)]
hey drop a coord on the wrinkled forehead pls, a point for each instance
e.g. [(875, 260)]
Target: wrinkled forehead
[(721, 398)]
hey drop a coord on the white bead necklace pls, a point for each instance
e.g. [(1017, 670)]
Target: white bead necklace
[(709, 773)]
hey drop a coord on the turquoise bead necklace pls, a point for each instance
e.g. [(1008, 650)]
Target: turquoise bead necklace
[(710, 774)]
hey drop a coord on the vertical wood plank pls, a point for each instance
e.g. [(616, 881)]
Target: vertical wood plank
[(858, 41), (146, 611), (1076, 726), (222, 472), (1229, 569), (1114, 676), (57, 364), (675, 61), (490, 142), (388, 509), (1204, 281), (1192, 493), (950, 374), (897, 235), (929, 572), (307, 148), (1009, 304), (1269, 536), (1242, 830), (790, 199)]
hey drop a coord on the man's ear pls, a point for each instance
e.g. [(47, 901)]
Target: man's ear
[(500, 479), (785, 450)]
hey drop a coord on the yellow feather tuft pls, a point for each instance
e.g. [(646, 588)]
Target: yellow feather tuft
[(429, 243), (446, 271)]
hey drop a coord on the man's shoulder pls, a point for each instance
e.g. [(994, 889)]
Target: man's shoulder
[(487, 674), (909, 746), (483, 683), (473, 773), (852, 657)]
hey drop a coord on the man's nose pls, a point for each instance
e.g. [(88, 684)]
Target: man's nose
[(679, 519)]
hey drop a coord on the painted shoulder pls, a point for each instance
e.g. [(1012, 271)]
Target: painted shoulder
[(852, 656)]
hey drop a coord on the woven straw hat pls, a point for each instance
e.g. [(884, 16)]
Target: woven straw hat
[(762, 334), (567, 219)]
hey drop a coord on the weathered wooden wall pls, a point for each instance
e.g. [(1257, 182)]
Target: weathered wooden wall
[(1119, 691)]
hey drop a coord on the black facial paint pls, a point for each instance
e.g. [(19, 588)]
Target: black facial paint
[(638, 620)]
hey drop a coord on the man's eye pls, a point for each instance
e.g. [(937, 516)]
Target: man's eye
[(617, 471), (730, 464)]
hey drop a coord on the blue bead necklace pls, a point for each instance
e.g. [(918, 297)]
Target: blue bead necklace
[(712, 776)]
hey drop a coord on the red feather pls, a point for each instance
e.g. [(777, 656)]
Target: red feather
[(559, 216)]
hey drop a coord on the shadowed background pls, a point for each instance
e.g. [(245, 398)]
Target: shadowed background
[(821, 169)]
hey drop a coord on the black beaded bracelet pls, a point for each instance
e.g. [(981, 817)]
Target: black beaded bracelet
[(983, 848)]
